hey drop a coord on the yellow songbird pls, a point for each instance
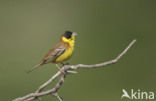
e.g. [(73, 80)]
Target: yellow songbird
[(62, 51)]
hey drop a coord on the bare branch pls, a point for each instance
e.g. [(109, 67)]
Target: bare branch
[(39, 92)]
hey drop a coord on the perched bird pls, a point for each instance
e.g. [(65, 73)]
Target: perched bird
[(61, 52)]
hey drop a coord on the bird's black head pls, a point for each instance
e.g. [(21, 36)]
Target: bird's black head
[(68, 34)]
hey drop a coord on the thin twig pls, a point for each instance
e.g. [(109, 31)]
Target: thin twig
[(58, 97), (39, 92)]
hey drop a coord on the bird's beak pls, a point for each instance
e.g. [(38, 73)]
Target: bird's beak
[(74, 33)]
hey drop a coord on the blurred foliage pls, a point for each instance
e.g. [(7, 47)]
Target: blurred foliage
[(29, 28)]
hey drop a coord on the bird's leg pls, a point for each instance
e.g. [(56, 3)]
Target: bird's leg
[(64, 63), (59, 69)]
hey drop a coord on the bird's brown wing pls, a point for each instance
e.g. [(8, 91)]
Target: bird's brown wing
[(54, 53)]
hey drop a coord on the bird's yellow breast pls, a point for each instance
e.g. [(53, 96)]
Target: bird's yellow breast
[(66, 55), (68, 52)]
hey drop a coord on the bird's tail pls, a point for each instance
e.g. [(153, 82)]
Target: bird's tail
[(33, 68)]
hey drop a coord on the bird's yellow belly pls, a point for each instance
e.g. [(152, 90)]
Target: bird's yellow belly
[(66, 55)]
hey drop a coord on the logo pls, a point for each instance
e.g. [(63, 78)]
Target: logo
[(138, 94)]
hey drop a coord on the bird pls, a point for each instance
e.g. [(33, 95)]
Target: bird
[(61, 52)]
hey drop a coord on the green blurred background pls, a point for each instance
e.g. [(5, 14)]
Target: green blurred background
[(29, 28)]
